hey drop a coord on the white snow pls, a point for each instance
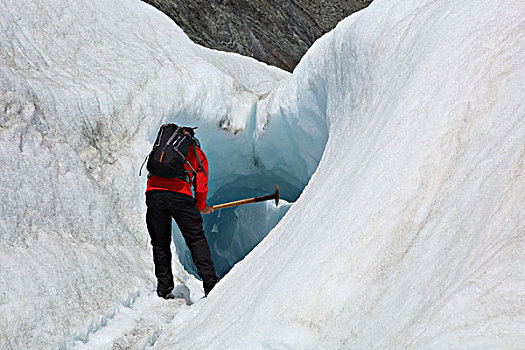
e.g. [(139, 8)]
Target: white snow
[(410, 233), (130, 326)]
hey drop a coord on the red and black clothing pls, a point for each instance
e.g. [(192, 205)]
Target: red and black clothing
[(181, 186), (168, 198)]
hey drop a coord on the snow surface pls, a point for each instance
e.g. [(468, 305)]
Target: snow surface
[(410, 233)]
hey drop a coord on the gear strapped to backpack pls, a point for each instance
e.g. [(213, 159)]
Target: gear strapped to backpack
[(170, 152)]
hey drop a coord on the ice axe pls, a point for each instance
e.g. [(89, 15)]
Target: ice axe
[(266, 197)]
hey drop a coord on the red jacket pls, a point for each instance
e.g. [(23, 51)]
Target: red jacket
[(181, 186)]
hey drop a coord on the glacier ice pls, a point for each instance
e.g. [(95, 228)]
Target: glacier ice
[(409, 234)]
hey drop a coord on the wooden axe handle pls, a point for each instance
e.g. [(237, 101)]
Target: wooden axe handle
[(250, 200), (234, 203)]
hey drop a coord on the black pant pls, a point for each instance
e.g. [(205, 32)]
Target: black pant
[(162, 206)]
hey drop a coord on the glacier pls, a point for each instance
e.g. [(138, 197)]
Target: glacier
[(398, 143), (410, 234)]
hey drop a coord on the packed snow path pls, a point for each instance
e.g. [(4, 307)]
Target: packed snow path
[(136, 324)]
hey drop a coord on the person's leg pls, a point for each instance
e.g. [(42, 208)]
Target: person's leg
[(189, 219), (158, 220)]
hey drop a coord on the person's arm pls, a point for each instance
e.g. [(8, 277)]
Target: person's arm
[(201, 190)]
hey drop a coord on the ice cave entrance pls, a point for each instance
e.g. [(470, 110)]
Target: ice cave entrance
[(233, 232)]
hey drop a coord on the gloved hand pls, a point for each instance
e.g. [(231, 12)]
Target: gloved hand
[(207, 209)]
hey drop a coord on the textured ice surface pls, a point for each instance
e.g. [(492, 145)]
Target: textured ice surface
[(410, 234)]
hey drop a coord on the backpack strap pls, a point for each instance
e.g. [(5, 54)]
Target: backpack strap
[(145, 159), (200, 163), (168, 143)]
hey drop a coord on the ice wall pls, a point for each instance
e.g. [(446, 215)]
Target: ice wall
[(411, 232)]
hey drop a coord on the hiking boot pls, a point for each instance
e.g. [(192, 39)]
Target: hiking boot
[(165, 293), (208, 287)]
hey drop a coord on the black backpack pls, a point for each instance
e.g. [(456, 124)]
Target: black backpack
[(170, 152)]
